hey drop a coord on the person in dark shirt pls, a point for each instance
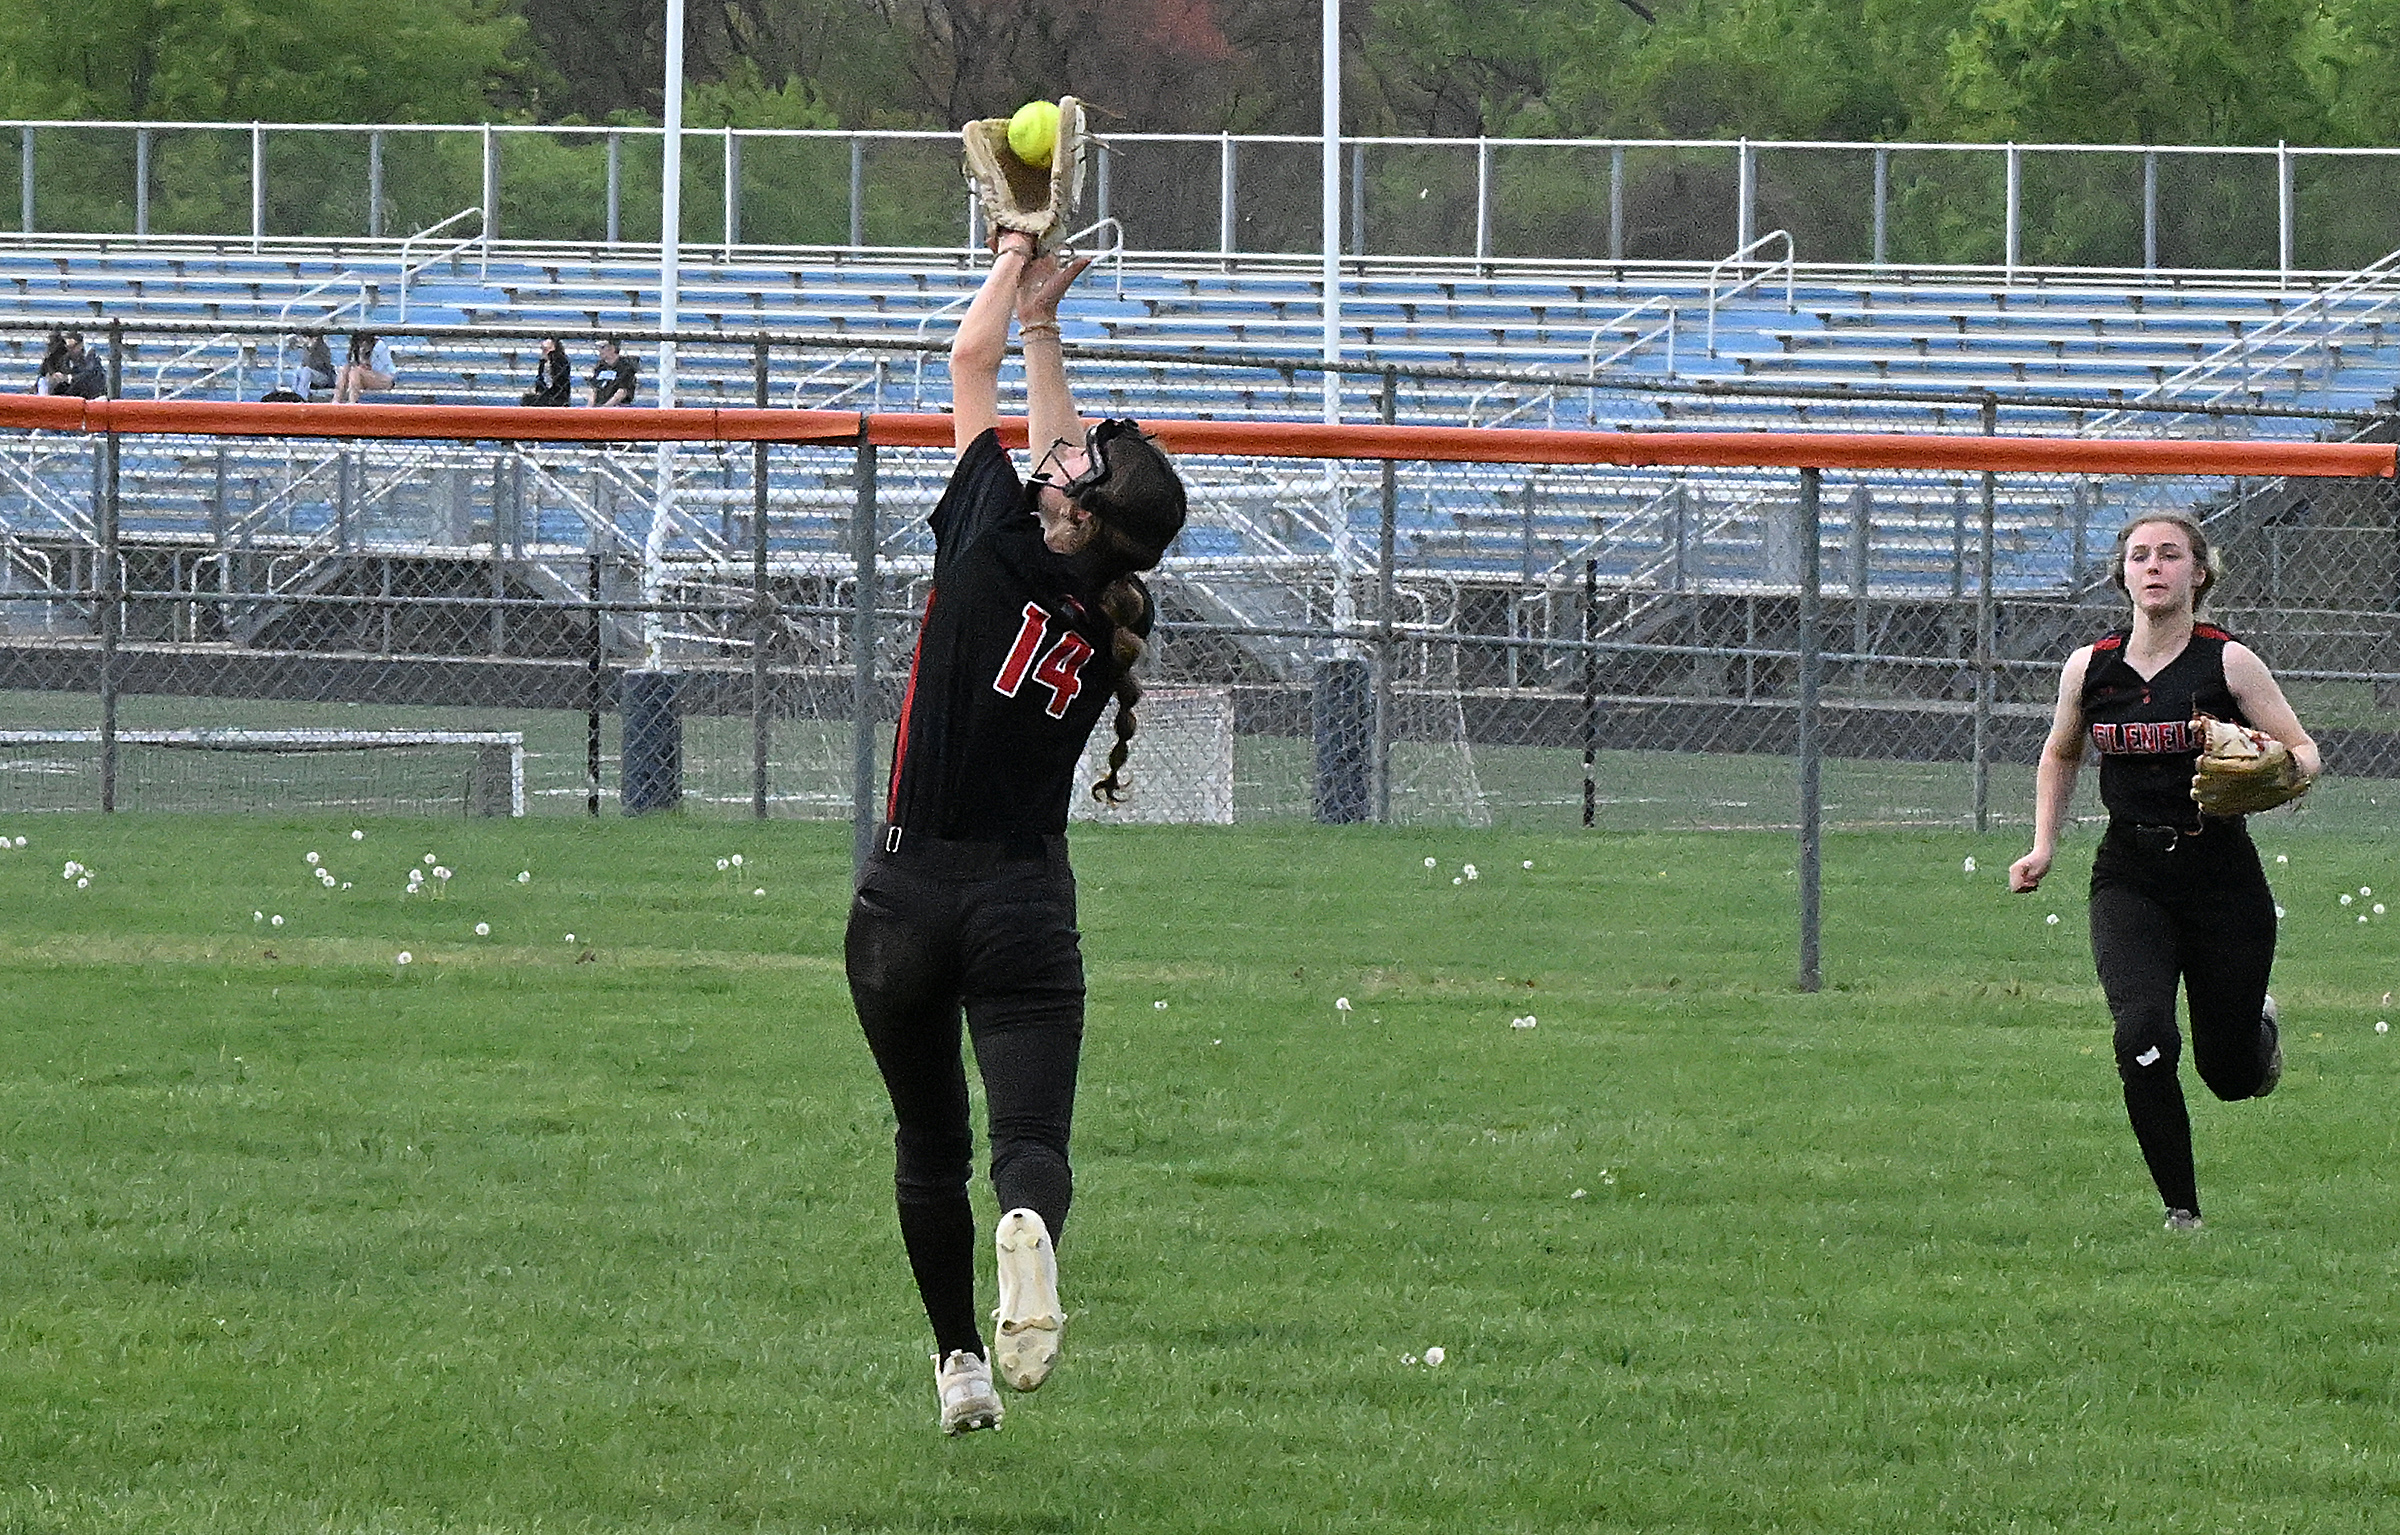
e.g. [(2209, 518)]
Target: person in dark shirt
[(553, 376), (967, 902), (72, 369), (2178, 897), (616, 378)]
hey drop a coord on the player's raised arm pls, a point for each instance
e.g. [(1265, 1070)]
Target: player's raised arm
[(1050, 413), (981, 342), (2054, 779)]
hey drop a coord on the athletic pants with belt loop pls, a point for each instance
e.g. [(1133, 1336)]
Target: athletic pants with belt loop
[(988, 928), (2197, 912)]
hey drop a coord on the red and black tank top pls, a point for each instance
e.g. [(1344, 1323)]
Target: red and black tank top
[(2142, 728)]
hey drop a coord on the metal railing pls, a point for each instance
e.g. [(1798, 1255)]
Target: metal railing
[(1740, 260), (482, 237), (1994, 191)]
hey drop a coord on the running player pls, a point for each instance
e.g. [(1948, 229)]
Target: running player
[(967, 901), (2177, 895)]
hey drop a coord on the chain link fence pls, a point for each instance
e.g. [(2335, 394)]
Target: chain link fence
[(218, 623)]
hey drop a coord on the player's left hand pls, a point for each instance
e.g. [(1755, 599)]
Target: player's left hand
[(1043, 283)]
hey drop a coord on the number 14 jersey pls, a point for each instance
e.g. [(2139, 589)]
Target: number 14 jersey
[(1014, 663)]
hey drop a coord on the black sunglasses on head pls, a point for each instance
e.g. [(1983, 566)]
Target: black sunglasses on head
[(1095, 456)]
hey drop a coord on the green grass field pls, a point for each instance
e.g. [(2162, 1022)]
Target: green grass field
[(539, 1235)]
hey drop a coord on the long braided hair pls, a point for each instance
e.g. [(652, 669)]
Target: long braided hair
[(1137, 507)]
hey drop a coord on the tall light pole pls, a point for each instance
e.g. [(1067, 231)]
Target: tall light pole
[(670, 263)]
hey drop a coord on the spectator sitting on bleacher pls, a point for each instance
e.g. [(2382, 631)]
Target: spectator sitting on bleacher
[(616, 377), (54, 360), (316, 368), (67, 368), (553, 376), (371, 367)]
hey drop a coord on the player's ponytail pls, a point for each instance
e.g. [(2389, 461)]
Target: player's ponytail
[(1124, 601)]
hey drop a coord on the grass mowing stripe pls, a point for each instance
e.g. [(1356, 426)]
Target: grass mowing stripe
[(510, 1241)]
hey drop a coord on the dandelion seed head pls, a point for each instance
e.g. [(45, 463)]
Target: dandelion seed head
[(2383, 1026), (1429, 863), (2051, 920), (483, 930), (1579, 1194), (84, 883), (736, 860), (761, 890), (404, 957), (313, 860), (1527, 864), (430, 860), (1469, 871), (1457, 880), (356, 835), (258, 916), (1160, 1004), (2346, 898), (2283, 858), (723, 865), (1435, 1355), (524, 876), (276, 920), (570, 938), (1968, 867), (441, 874)]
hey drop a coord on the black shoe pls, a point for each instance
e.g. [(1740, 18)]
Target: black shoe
[(2182, 1220)]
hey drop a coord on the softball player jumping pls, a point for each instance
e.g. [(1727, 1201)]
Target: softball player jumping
[(2177, 894), (1036, 618)]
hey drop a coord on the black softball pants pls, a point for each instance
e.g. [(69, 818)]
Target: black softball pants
[(2198, 913), (987, 928)]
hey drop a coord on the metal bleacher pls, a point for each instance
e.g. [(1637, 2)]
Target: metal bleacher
[(1600, 347)]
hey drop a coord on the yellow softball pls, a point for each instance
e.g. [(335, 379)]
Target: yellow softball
[(1033, 133)]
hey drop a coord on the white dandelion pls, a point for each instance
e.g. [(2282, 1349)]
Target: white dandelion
[(1429, 863), (356, 835), (2365, 891), (1579, 1194), (1469, 871), (2278, 911), (258, 916), (761, 890), (405, 958), (441, 874), (313, 860), (276, 920), (2379, 908), (1968, 867), (84, 883), (2345, 898), (1527, 864), (1341, 1004), (723, 865), (570, 938), (1434, 1355), (2383, 1026), (483, 930), (2051, 920), (524, 876), (1526, 1022), (1456, 880), (345, 884), (430, 860), (736, 860), (1160, 1004), (2283, 858)]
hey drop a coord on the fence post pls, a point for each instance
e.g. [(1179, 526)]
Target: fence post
[(1483, 198), (2011, 235), (858, 191), (1100, 176), (2149, 210), (1358, 199), (1386, 652), (1986, 612), (1616, 202), (25, 190), (762, 605), (1811, 786), (2283, 214), (141, 183), (491, 189), (1883, 203), (1226, 232), (862, 654), (1745, 182), (258, 185), (616, 185), (375, 185), (591, 687), (1591, 689), (109, 583), (733, 191)]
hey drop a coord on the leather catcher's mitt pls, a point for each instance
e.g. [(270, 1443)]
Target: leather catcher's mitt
[(1025, 197), (2241, 772)]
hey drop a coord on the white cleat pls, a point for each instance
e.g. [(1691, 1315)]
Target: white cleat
[(2182, 1220), (964, 1383), (1029, 1316)]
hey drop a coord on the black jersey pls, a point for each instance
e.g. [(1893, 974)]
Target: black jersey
[(2143, 729), (1015, 660)]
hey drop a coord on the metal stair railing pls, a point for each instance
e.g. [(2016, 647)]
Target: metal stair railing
[(1788, 266)]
